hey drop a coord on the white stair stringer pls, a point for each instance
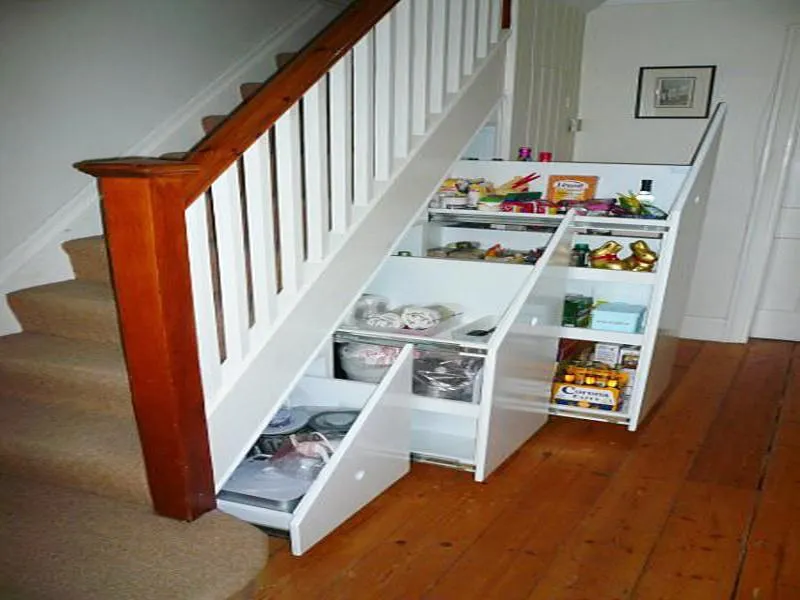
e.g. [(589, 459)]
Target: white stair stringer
[(235, 421)]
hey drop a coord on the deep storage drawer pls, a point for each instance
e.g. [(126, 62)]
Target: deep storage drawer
[(374, 453)]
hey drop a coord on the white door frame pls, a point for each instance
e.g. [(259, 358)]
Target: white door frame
[(776, 156)]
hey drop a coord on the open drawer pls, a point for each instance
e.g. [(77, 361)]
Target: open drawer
[(372, 455)]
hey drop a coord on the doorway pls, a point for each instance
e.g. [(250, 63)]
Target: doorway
[(766, 298)]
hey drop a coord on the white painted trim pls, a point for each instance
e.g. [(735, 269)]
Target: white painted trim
[(779, 145), (82, 208), (704, 328)]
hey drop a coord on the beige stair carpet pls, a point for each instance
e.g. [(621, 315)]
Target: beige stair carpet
[(76, 309), (64, 545)]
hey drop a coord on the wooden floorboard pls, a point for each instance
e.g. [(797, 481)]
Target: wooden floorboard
[(700, 503)]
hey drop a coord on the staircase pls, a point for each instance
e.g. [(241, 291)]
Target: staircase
[(232, 263), (73, 491)]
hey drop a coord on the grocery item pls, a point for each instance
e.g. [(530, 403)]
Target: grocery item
[(642, 258), (618, 316), (447, 376), (605, 257), (629, 357), (420, 317), (579, 255), (384, 320), (645, 193), (571, 187), (366, 362), (525, 153), (607, 354), (577, 310), (588, 385)]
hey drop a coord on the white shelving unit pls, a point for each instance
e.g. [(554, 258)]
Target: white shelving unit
[(525, 304)]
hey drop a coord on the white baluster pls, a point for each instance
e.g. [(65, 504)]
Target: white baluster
[(402, 78), (495, 20), (226, 197), (470, 10), (419, 89), (364, 120), (455, 38), (315, 166), (484, 23), (258, 187), (290, 201), (384, 94), (438, 43), (341, 123), (205, 316)]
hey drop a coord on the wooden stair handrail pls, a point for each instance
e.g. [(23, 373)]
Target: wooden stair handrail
[(144, 202)]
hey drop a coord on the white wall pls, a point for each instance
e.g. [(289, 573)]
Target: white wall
[(98, 78), (744, 39)]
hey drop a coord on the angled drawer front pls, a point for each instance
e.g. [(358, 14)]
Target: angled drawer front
[(372, 456), (518, 381)]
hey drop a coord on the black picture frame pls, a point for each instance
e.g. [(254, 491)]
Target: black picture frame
[(675, 92)]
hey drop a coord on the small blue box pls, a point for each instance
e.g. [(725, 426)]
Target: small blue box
[(618, 316)]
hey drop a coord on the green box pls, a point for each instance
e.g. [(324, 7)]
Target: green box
[(577, 310)]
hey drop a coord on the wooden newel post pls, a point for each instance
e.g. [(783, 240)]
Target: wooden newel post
[(143, 213)]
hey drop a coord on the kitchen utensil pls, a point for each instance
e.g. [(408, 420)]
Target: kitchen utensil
[(481, 332)]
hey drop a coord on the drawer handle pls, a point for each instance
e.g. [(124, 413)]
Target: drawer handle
[(360, 475)]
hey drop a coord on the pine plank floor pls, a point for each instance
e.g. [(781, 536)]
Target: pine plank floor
[(701, 503)]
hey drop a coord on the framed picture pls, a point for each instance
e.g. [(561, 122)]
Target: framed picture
[(675, 92)]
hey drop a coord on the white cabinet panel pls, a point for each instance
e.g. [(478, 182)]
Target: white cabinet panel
[(374, 454), (517, 383), (372, 457)]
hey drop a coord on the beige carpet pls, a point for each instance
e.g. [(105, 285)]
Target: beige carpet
[(67, 545)]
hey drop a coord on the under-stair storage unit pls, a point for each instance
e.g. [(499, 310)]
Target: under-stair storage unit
[(310, 490), (499, 326)]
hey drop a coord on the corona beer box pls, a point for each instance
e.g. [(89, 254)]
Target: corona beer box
[(586, 396)]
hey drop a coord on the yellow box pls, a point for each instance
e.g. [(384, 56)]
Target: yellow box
[(586, 396)]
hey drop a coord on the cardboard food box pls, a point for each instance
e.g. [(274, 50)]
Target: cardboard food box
[(577, 310), (618, 316), (629, 357), (571, 187), (586, 396), (607, 353)]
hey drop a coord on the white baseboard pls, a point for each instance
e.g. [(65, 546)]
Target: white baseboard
[(40, 259), (705, 328)]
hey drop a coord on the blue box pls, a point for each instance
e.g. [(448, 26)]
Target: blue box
[(618, 316)]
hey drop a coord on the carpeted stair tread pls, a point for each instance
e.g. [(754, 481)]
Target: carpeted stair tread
[(94, 452), (78, 309), (247, 90), (86, 375), (60, 544), (89, 258), (211, 122)]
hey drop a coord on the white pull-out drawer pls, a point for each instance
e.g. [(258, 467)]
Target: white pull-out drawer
[(372, 456)]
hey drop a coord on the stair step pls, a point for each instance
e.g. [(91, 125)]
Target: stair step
[(89, 258), (174, 155), (44, 368), (92, 452), (78, 309), (211, 122), (71, 546), (282, 58), (249, 89)]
